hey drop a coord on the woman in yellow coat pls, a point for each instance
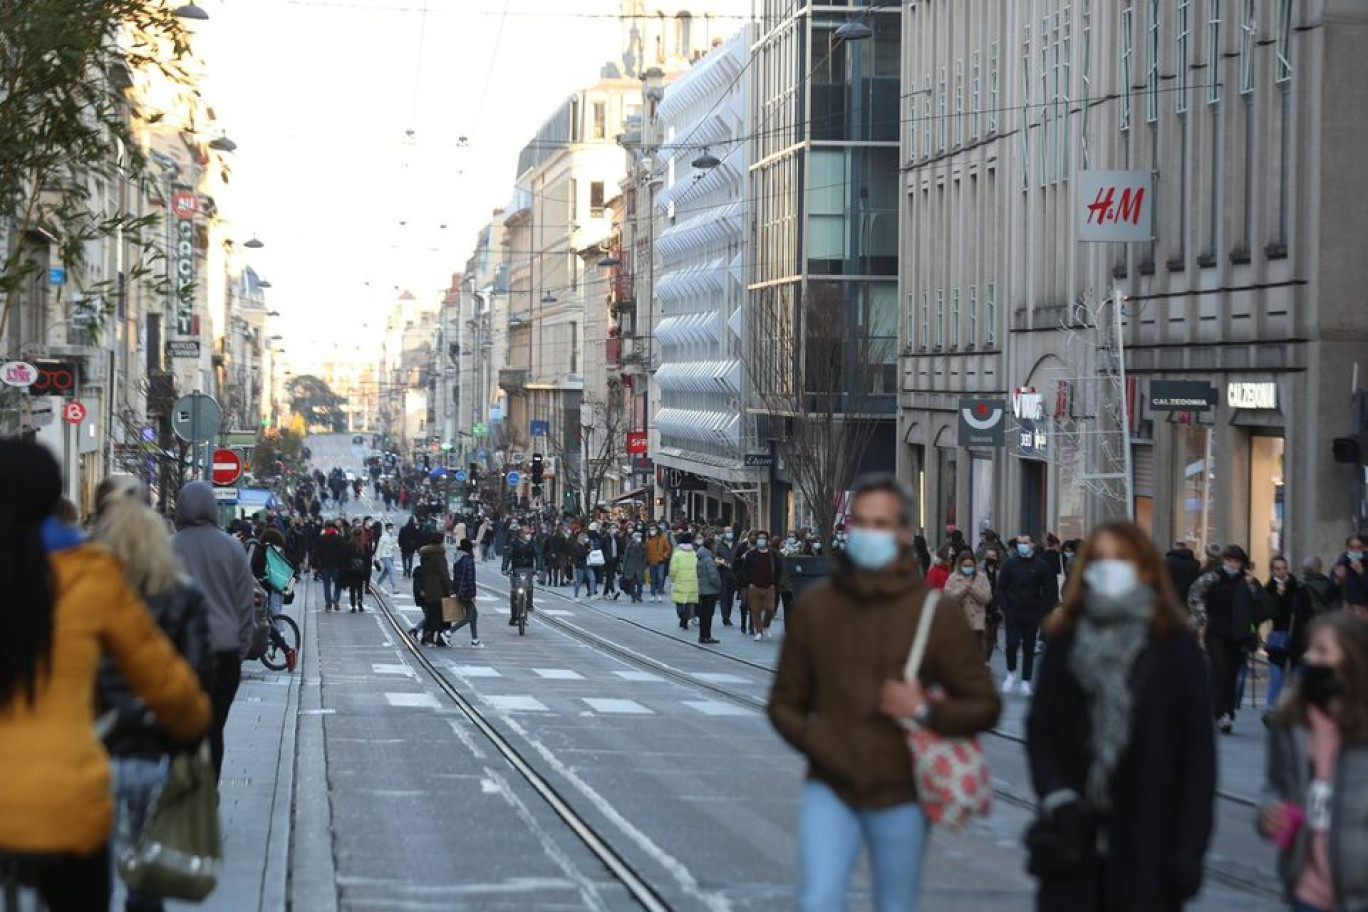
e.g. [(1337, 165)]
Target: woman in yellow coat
[(684, 580), (66, 602)]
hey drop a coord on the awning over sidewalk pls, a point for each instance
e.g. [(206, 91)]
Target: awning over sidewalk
[(630, 495)]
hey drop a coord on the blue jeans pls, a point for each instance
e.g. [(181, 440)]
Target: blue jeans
[(136, 782), (584, 575), (386, 572), (830, 834), (658, 573), (1299, 906), (332, 587)]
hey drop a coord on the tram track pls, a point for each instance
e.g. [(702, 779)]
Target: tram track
[(638, 888), (1228, 878)]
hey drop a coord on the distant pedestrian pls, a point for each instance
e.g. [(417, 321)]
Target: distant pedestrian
[(1317, 790), (634, 567), (331, 560), (709, 588), (1026, 591), (431, 584), (584, 573), (1286, 638), (219, 566), (67, 602), (684, 580), (839, 697), (724, 548), (463, 587), (1120, 718), (1227, 607), (355, 570), (658, 553), (1351, 576), (970, 587), (384, 552), (1183, 568), (939, 573)]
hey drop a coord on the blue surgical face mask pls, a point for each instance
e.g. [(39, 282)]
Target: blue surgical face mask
[(872, 549), (1231, 569), (1024, 550), (1354, 555), (967, 569)]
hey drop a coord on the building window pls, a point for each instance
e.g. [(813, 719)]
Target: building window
[(683, 34), (955, 317), (1214, 53), (1152, 74), (975, 94), (1026, 103), (1181, 41), (576, 129), (924, 321), (942, 104), (1249, 33), (990, 314), (940, 318), (959, 102), (600, 120), (1283, 72), (574, 348), (1125, 58), (572, 203), (993, 87), (927, 132), (596, 199), (973, 315)]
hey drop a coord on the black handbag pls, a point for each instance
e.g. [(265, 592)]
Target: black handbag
[(1058, 843)]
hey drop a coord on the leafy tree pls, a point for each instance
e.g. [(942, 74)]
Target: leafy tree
[(64, 68), (312, 398)]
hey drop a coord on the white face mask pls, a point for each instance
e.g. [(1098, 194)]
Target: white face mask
[(1111, 578)]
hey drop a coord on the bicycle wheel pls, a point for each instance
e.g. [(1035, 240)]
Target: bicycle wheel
[(284, 637), (522, 621)]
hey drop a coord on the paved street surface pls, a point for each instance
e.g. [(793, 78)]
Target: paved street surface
[(393, 799)]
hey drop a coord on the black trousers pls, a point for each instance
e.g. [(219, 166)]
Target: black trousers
[(1225, 659), (1021, 634), (706, 605), (71, 883), (728, 597), (407, 560), (222, 690), (432, 621)]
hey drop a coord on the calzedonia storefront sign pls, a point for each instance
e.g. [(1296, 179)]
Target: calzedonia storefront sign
[(1252, 395), (1181, 396)]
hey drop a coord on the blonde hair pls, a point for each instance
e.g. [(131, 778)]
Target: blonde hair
[(126, 524)]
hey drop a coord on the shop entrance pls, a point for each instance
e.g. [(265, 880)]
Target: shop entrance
[(1266, 511), (1034, 481)]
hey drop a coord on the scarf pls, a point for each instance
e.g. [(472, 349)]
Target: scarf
[(1109, 635)]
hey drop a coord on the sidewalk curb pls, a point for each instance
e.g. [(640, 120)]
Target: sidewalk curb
[(312, 883), (275, 876)]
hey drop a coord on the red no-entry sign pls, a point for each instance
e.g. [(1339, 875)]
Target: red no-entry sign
[(227, 467), (74, 412), (185, 204)]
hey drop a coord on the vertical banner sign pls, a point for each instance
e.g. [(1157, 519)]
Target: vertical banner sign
[(1115, 205), (183, 264)]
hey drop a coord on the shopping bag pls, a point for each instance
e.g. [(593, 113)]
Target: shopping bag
[(453, 610), (180, 851), (951, 774), (595, 558)]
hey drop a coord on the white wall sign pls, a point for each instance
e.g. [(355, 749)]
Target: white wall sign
[(1115, 205), (1252, 395), (1028, 404)]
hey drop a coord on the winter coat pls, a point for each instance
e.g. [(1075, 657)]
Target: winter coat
[(634, 561), (937, 575), (408, 538), (431, 580), (684, 576), (54, 773), (579, 554), (357, 566), (709, 578), (1229, 607), (1289, 617), (385, 546), (1026, 587), (219, 566), (333, 551), (1288, 766), (1156, 845), (1183, 569), (1354, 587), (183, 616), (725, 552), (974, 594), (846, 637), (463, 576), (658, 549)]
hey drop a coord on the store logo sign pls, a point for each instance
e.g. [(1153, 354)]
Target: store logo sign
[(1028, 404), (981, 423), (1252, 395)]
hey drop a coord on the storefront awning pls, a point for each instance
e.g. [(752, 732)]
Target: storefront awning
[(634, 494)]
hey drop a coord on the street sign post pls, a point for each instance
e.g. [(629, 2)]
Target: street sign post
[(185, 204), (513, 479), (196, 418), (539, 427), (18, 373), (183, 348), (74, 411), (638, 442), (226, 467), (56, 275), (461, 475)]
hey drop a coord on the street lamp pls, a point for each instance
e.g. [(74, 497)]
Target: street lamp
[(707, 161), (608, 261), (548, 298), (191, 11), (272, 313), (263, 284), (254, 244), (223, 144), (853, 31)]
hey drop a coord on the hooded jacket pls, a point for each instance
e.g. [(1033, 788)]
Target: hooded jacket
[(431, 580), (847, 636), (684, 575), (219, 565), (54, 775), (1183, 569), (658, 549)]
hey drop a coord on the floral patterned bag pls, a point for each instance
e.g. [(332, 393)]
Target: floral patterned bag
[(951, 773)]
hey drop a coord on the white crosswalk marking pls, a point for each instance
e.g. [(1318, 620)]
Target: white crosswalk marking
[(619, 707), (475, 671), (423, 700), (717, 708), (557, 612), (558, 674), (382, 669), (638, 676), (514, 703), (714, 678)]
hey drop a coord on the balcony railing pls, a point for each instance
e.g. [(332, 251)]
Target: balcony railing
[(612, 351)]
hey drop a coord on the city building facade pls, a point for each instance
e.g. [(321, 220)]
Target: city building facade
[(1245, 285)]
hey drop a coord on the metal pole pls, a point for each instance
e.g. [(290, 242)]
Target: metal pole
[(1117, 300)]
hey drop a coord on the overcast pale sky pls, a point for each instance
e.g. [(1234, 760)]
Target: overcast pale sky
[(319, 94)]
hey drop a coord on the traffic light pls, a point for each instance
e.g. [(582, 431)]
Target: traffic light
[(538, 468), (1353, 450), (474, 473)]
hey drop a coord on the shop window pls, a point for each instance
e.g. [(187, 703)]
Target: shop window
[(1197, 511), (1265, 501)]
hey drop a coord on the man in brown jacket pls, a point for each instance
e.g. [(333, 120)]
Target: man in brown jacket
[(839, 694)]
